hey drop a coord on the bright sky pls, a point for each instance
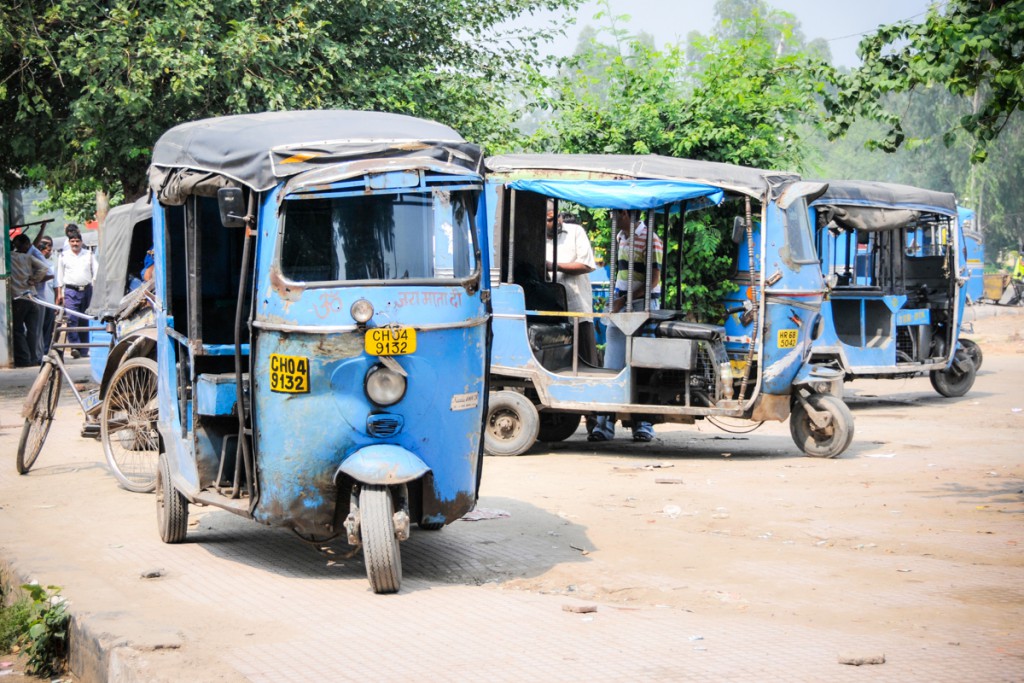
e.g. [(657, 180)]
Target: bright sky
[(841, 22)]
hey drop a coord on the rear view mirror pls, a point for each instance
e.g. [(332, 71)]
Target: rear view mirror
[(739, 226), (231, 202)]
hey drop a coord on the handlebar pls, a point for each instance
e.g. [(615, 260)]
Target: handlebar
[(28, 297)]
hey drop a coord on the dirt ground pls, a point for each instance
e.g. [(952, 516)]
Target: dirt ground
[(912, 541), (917, 528)]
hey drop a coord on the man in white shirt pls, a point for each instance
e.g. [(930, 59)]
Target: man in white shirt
[(76, 271), (575, 263)]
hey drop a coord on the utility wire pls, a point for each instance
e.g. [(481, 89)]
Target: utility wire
[(872, 30)]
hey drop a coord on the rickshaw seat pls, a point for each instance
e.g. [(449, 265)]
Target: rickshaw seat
[(680, 329), (543, 336), (215, 393)]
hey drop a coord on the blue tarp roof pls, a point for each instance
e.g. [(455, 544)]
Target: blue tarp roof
[(622, 194)]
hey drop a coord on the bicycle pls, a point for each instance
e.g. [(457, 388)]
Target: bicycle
[(125, 408)]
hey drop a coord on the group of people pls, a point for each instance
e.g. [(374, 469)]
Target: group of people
[(62, 280), (575, 262)]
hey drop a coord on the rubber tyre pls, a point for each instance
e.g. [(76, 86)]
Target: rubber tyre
[(171, 506), (512, 424), (36, 428), (430, 526), (973, 352), (952, 382), (831, 441), (128, 425), (381, 553), (556, 427)]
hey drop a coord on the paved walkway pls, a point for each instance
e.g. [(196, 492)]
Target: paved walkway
[(241, 602)]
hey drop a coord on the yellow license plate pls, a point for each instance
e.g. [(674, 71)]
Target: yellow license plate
[(289, 374), (787, 338), (390, 341)]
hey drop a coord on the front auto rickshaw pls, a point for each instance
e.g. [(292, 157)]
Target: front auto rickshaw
[(676, 369), (895, 258), (323, 325)]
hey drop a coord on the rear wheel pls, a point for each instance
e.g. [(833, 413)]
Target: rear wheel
[(381, 553), (557, 426), (128, 425), (822, 442), (512, 424), (973, 352), (171, 506), (957, 379), (37, 424)]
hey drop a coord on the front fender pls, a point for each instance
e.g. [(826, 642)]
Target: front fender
[(816, 376), (383, 464)]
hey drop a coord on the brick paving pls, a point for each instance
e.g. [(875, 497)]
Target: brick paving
[(244, 602)]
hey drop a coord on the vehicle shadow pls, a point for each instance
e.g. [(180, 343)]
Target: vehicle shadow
[(1001, 492), (867, 402), (687, 444), (513, 539)]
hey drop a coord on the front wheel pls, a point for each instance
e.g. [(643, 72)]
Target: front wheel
[(128, 425), (512, 424), (957, 379), (973, 352), (381, 553), (171, 506), (39, 418), (822, 442)]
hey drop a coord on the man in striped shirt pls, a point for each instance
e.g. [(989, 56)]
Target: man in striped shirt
[(615, 348)]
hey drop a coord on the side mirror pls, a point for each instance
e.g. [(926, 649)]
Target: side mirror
[(739, 228), (231, 202)]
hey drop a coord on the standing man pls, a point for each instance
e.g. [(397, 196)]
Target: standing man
[(575, 263), (615, 347), (26, 272), (76, 271), (43, 249)]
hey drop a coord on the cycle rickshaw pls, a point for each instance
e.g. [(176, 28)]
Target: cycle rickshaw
[(120, 406)]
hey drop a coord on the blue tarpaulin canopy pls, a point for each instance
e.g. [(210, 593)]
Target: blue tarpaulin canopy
[(622, 194)]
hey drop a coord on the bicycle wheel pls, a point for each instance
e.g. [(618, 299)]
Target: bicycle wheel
[(128, 425), (37, 422)]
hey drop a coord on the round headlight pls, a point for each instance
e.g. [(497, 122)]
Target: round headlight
[(384, 386), (362, 311)]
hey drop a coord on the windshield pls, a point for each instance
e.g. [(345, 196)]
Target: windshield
[(422, 235), (798, 233)]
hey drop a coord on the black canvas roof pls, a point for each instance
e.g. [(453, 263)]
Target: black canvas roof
[(886, 195), (259, 150), (875, 206)]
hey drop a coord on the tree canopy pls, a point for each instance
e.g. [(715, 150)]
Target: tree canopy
[(86, 88), (972, 48)]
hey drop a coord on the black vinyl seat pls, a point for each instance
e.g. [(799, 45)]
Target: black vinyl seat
[(680, 329)]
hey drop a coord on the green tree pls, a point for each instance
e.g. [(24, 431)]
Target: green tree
[(743, 102), (974, 49), (86, 88)]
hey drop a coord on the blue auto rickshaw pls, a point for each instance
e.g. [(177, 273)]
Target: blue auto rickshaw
[(895, 258), (974, 245), (676, 370), (323, 325)]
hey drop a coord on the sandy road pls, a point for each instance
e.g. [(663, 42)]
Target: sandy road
[(710, 556)]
